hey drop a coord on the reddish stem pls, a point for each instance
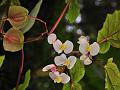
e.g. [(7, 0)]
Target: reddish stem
[(62, 14), (20, 70)]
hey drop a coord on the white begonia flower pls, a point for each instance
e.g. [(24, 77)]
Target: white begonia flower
[(59, 47), (86, 60), (62, 60), (93, 49), (82, 39), (50, 67), (52, 38), (59, 78)]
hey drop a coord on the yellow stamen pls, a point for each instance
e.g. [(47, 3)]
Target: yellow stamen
[(88, 48), (58, 79), (63, 47), (67, 62)]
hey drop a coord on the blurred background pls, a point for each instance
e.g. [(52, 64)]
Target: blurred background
[(38, 54)]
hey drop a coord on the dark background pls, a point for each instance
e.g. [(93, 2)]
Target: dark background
[(40, 53)]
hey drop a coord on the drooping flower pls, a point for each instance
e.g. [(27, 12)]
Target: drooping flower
[(59, 78), (52, 38), (59, 47), (62, 60), (50, 67), (87, 50)]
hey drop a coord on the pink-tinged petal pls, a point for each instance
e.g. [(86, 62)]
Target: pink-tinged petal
[(87, 61), (48, 67), (83, 48), (82, 40), (73, 60), (52, 38), (59, 60), (65, 78), (95, 48), (69, 47), (52, 75), (56, 46)]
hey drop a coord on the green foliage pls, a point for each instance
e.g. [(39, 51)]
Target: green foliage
[(13, 40), (15, 2), (77, 72), (31, 20), (26, 82), (73, 11), (110, 32), (74, 86), (1, 60), (112, 76), (2, 2)]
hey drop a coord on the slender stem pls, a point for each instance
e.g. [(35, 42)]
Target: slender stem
[(20, 70), (59, 19), (40, 21)]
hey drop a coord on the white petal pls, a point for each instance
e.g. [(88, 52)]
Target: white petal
[(69, 47), (59, 60), (72, 61), (48, 67), (82, 48), (52, 75), (95, 48), (83, 57), (65, 78), (82, 39), (56, 46), (52, 38), (87, 61)]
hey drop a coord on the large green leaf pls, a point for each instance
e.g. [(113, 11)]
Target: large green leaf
[(26, 82), (77, 72), (110, 33), (13, 40), (112, 76), (74, 11), (74, 86), (1, 60), (31, 20)]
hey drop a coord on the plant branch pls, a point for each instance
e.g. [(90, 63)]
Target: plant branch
[(20, 70), (60, 17)]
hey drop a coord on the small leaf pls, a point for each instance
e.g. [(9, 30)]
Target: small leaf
[(112, 76), (13, 40), (73, 11), (77, 72), (74, 86), (1, 60), (31, 20), (26, 82), (18, 16)]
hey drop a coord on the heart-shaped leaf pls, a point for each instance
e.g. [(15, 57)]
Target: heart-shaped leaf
[(13, 40), (18, 16)]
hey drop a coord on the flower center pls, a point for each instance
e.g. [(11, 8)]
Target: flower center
[(58, 79), (67, 62), (63, 47), (88, 48)]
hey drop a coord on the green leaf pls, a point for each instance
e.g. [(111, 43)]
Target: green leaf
[(15, 2), (110, 33), (26, 82), (31, 20), (13, 40), (74, 86), (74, 11), (77, 72), (18, 16), (112, 76), (1, 60)]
